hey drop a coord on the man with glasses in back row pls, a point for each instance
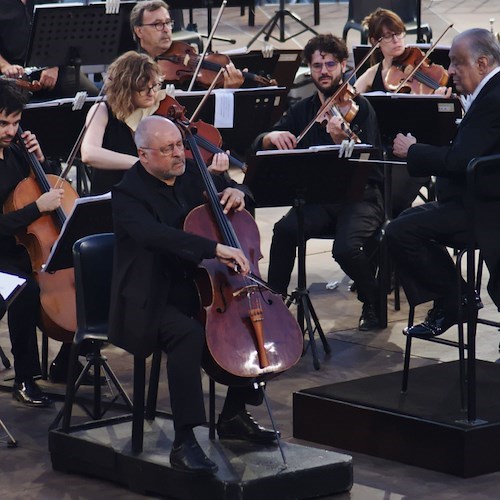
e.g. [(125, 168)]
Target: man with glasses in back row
[(152, 26), (351, 223)]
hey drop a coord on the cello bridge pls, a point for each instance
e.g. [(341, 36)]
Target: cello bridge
[(246, 290)]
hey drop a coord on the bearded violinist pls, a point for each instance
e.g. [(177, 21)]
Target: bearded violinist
[(151, 27), (351, 223), (417, 238), (153, 296)]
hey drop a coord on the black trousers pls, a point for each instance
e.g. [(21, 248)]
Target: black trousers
[(351, 223), (182, 338), (417, 240), (22, 320)]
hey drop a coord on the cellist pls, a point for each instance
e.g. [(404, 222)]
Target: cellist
[(151, 27), (14, 259), (153, 295)]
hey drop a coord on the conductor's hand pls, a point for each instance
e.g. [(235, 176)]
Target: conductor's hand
[(48, 78), (402, 143), (50, 201), (232, 199), (279, 139), (233, 258), (33, 145), (220, 163)]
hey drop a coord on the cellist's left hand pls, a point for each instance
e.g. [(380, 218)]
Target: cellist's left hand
[(32, 145), (232, 199), (220, 163)]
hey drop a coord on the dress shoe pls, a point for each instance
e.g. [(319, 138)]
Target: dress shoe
[(369, 319), (28, 393), (435, 323), (189, 457), (243, 426), (58, 374)]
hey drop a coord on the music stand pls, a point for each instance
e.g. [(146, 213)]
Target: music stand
[(315, 175), (279, 17), (73, 35), (90, 215)]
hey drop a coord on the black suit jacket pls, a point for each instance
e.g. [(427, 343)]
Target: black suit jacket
[(151, 251), (478, 135)]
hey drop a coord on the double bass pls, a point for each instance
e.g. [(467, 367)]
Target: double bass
[(249, 331), (57, 290)]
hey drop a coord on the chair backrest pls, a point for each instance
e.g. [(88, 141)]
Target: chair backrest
[(93, 260), (405, 9)]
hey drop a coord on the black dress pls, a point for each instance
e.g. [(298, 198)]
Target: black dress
[(117, 137)]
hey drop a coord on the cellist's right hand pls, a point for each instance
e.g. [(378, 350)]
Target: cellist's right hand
[(50, 201), (280, 139), (233, 258)]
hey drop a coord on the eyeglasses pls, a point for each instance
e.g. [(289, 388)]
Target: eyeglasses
[(159, 26), (168, 150), (319, 66), (152, 88), (389, 36)]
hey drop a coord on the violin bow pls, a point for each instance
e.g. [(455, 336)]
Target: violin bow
[(416, 68), (206, 95), (209, 41), (332, 98), (81, 135)]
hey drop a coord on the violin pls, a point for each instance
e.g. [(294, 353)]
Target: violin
[(179, 63), (249, 331), (425, 80), (206, 136), (57, 290), (31, 86), (343, 107)]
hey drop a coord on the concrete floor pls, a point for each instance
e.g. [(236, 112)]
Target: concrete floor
[(26, 471)]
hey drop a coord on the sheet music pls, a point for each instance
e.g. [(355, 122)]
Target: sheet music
[(59, 102), (78, 201), (9, 283)]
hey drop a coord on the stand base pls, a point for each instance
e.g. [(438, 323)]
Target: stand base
[(246, 470), (279, 19), (424, 427)]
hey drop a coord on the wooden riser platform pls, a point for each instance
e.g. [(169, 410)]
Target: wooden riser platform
[(424, 427), (246, 471)]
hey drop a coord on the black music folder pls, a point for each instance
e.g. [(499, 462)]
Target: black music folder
[(316, 175), (90, 215), (432, 119)]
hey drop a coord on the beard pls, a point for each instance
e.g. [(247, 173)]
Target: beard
[(327, 85)]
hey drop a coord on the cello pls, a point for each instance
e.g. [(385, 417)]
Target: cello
[(249, 332), (57, 290)]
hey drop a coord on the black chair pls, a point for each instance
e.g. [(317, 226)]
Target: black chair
[(482, 201), (181, 34), (407, 10), (93, 260)]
